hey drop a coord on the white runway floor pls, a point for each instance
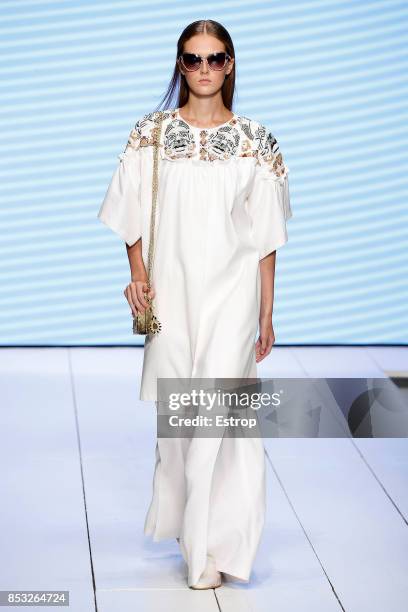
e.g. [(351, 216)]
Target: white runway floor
[(77, 460)]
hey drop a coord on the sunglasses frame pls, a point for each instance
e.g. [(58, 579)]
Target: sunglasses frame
[(227, 59)]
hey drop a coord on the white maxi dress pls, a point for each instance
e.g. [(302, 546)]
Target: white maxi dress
[(223, 203)]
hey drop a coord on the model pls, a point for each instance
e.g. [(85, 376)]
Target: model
[(222, 207)]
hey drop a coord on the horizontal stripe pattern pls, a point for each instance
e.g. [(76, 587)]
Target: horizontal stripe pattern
[(329, 81)]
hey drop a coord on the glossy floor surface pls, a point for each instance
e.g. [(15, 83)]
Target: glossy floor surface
[(77, 459)]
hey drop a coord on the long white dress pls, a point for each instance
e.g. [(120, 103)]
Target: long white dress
[(223, 203)]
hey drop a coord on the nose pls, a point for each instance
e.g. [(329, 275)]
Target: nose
[(204, 66)]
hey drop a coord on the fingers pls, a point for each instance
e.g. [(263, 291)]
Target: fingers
[(132, 300), (135, 295), (140, 289), (264, 345), (138, 297), (151, 293), (260, 350)]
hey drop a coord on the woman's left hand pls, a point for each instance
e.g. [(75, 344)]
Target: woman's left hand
[(266, 340)]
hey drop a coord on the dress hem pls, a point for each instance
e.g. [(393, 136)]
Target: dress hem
[(232, 573)]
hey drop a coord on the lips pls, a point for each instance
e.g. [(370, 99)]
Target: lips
[(204, 81)]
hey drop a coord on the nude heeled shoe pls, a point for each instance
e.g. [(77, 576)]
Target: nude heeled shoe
[(210, 578)]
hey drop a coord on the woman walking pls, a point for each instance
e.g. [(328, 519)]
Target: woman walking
[(222, 206)]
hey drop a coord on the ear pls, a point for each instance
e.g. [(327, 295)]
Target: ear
[(179, 67), (230, 65)]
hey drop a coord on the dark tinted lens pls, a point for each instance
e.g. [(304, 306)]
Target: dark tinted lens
[(191, 61), (216, 61)]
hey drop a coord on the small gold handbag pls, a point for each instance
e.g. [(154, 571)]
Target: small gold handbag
[(146, 322)]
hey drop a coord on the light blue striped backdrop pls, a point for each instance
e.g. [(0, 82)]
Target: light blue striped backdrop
[(328, 78)]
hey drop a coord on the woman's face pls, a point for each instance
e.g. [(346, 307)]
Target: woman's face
[(204, 81)]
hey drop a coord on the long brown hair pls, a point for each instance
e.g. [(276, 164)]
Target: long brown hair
[(178, 81)]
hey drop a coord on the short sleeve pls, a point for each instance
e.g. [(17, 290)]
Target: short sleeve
[(121, 206), (268, 202)]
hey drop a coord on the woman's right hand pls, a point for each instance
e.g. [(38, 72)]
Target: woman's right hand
[(134, 295)]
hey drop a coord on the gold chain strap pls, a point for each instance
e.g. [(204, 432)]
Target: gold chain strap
[(155, 182), (146, 322)]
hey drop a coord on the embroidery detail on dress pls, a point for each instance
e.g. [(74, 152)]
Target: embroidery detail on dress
[(223, 143), (136, 137), (203, 145), (240, 137), (268, 151), (246, 126), (142, 134), (246, 149), (178, 140)]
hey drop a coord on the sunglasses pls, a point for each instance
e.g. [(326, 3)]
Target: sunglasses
[(215, 61)]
